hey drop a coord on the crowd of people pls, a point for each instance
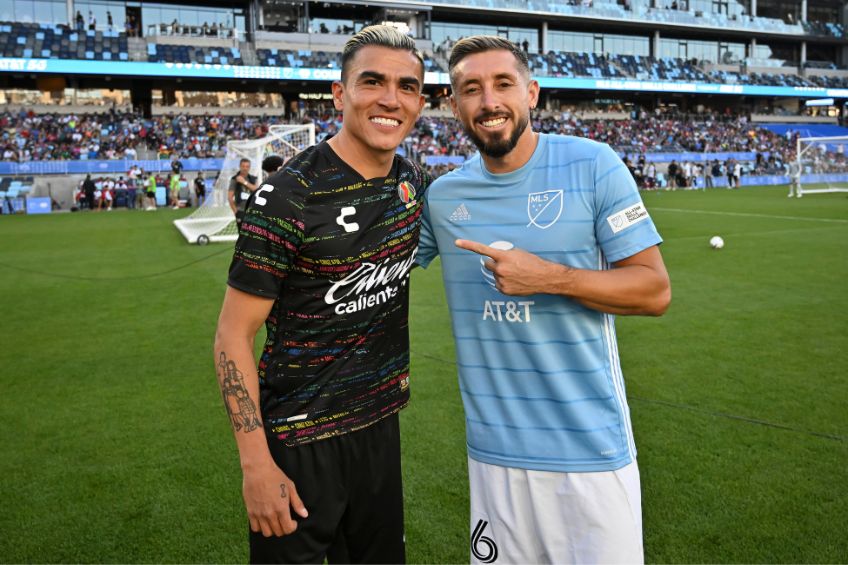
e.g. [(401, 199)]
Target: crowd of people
[(137, 189), (27, 136)]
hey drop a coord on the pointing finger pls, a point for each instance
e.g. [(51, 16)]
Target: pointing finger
[(479, 248)]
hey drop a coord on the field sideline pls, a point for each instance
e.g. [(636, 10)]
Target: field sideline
[(117, 447)]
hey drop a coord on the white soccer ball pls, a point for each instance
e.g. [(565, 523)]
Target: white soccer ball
[(716, 242)]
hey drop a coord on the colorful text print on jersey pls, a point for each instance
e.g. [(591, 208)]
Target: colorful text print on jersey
[(353, 293)]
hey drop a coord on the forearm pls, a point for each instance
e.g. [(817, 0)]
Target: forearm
[(231, 199), (239, 384), (627, 290)]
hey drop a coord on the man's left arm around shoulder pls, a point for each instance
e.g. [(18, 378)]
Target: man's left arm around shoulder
[(636, 285)]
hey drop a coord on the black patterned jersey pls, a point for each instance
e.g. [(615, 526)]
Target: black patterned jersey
[(334, 251)]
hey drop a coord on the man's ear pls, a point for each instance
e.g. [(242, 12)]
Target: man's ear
[(533, 90), (338, 94)]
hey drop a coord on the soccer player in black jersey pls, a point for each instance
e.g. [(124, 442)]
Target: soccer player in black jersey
[(323, 260)]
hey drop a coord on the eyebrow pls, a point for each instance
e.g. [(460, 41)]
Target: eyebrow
[(499, 76), (381, 77)]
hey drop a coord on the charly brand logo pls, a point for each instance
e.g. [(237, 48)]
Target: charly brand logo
[(483, 547), (344, 213), (351, 294), (544, 208)]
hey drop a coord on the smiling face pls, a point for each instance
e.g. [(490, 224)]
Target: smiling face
[(381, 99), (492, 98)]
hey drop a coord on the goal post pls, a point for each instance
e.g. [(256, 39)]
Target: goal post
[(823, 164), (213, 220)]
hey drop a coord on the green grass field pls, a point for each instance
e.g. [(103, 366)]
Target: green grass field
[(116, 447)]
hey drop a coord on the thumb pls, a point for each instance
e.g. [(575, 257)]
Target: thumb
[(297, 503)]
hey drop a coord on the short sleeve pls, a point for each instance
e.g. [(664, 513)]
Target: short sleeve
[(427, 248), (623, 226), (270, 238)]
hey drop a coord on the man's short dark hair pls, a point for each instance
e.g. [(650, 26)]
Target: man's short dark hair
[(381, 36), (244, 160), (272, 163), (482, 43)]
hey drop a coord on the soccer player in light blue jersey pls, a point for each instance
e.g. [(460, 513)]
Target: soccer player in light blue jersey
[(543, 239)]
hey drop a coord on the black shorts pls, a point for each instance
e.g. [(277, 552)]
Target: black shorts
[(351, 486)]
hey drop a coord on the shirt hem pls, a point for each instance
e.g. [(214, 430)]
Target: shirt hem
[(557, 467), (272, 436)]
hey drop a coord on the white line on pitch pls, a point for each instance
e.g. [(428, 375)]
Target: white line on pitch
[(831, 220)]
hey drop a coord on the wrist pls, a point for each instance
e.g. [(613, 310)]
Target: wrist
[(256, 462), (560, 280)]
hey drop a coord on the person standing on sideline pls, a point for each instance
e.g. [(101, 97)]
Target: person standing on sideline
[(242, 185), (794, 177), (543, 239), (271, 164), (88, 189), (323, 259), (200, 188), (174, 190), (150, 190), (707, 170)]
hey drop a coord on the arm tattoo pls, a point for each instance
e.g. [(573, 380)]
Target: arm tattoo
[(240, 407), (283, 490)]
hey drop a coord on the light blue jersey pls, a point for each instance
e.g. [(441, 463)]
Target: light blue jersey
[(539, 375)]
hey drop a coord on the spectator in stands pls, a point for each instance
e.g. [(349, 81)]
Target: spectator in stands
[(92, 21)]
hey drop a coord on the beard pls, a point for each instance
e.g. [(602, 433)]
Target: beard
[(500, 146)]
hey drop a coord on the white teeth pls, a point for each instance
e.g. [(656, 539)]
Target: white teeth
[(493, 123), (385, 121)]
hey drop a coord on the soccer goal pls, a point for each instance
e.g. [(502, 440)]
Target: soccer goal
[(823, 164), (214, 220)]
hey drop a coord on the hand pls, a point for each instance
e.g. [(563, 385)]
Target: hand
[(269, 495), (517, 272)]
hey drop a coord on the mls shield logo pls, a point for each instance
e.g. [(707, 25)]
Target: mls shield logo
[(544, 208)]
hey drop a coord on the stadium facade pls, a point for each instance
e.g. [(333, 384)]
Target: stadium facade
[(751, 55)]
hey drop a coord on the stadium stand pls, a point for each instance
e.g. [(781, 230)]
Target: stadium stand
[(827, 29), (559, 64), (43, 41), (164, 53), (307, 58)]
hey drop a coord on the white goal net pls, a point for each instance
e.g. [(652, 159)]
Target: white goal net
[(823, 164), (214, 220)]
